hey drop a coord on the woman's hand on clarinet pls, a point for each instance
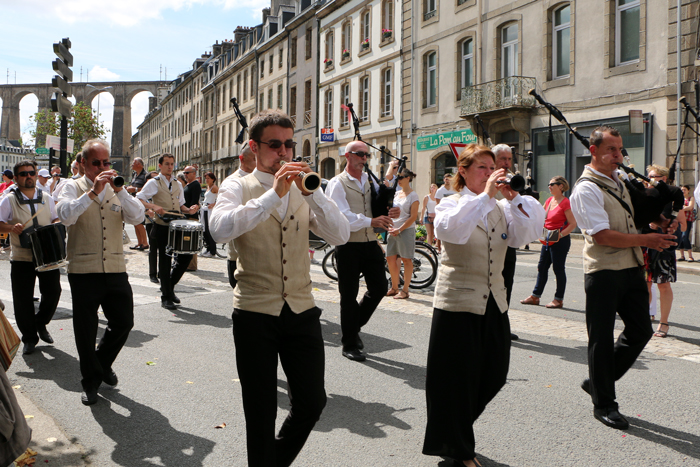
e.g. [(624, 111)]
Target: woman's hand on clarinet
[(492, 187)]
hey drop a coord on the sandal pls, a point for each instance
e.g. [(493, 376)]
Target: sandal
[(660, 333), (401, 295), (555, 304), (681, 259), (392, 292), (531, 301)]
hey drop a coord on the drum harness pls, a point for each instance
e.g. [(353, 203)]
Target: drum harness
[(24, 236)]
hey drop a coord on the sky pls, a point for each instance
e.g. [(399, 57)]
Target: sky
[(113, 40)]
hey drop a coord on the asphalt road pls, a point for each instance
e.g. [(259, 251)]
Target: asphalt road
[(178, 381)]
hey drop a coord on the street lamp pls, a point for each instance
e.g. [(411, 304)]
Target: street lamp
[(98, 98)]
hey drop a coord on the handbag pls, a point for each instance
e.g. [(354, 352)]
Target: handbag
[(549, 237), (9, 342)]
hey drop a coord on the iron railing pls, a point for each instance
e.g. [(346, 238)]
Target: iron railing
[(294, 120), (499, 94), (307, 117)]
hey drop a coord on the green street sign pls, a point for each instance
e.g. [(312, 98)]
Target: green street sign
[(42, 150), (431, 142)]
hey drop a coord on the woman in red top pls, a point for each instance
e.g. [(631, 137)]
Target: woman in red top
[(559, 217)]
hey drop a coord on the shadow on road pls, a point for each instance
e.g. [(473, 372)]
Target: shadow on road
[(687, 444), (366, 419), (576, 355), (52, 364), (332, 333), (484, 461), (413, 375), (145, 437), (199, 317)]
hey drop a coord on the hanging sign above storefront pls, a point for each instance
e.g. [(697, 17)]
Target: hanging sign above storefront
[(327, 135), (431, 142)]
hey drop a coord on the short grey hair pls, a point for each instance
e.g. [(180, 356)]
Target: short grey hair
[(347, 146), (138, 159), (499, 148), (91, 143)]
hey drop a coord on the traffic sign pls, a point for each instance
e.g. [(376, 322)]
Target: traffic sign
[(62, 85), (42, 151), (61, 51), (61, 105), (54, 142), (63, 69)]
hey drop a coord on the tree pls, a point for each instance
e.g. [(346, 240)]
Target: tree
[(82, 126)]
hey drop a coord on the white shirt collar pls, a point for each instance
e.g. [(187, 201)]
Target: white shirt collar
[(265, 178)]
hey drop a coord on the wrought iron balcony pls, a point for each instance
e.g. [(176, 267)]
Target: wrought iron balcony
[(294, 120), (307, 117), (499, 94)]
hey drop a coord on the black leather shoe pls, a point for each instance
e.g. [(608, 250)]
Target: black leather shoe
[(44, 335), (354, 355), (611, 418), (359, 343), (89, 397), (110, 378), (175, 299), (28, 348), (514, 337), (168, 304), (154, 279), (586, 385)]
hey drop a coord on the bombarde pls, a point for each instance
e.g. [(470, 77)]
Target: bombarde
[(516, 182), (118, 181), (310, 181)]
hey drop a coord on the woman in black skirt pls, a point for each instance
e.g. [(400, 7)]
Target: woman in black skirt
[(469, 349)]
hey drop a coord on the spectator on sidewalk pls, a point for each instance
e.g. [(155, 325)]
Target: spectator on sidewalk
[(690, 213)]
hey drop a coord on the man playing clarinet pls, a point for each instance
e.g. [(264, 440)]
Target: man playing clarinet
[(614, 275)]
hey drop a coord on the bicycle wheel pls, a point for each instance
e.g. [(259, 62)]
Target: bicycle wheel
[(221, 250), (424, 270), (328, 265), (430, 249)]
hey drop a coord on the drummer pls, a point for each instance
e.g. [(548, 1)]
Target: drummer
[(165, 194), (22, 202)]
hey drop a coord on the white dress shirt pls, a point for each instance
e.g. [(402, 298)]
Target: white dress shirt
[(150, 189), (336, 191), (41, 186), (231, 218), (455, 220), (71, 206), (241, 173), (6, 207), (587, 204)]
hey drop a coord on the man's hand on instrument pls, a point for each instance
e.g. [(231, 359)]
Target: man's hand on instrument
[(302, 167), (159, 210), (194, 208), (131, 189), (103, 179), (17, 228), (394, 212), (659, 242), (284, 178), (382, 222)]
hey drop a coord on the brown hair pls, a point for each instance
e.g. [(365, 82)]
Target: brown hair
[(659, 169), (467, 157), (562, 181), (407, 173), (211, 175), (267, 118), (596, 138)]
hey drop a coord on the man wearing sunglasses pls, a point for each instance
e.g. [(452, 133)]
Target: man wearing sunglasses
[(93, 209), (362, 254), (164, 193), (268, 216), (16, 210)]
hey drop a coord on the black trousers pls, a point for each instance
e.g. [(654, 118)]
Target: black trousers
[(170, 269), (468, 359), (231, 265), (23, 277), (152, 252), (608, 292), (297, 340), (509, 271), (208, 239), (113, 293), (353, 259)]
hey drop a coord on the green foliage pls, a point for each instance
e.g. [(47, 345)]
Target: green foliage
[(82, 126), (421, 232)]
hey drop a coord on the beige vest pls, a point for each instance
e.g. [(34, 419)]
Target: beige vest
[(360, 203), (95, 240), (273, 262), (598, 257), (165, 199), (469, 273), (21, 213)]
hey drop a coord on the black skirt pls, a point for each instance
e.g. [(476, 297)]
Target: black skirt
[(468, 358)]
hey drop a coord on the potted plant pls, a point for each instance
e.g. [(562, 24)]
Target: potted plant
[(386, 33), (346, 54), (328, 62), (365, 44)]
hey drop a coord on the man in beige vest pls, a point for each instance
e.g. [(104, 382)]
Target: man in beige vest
[(247, 159), (351, 191), (25, 207), (93, 209), (614, 275), (166, 194), (268, 216)]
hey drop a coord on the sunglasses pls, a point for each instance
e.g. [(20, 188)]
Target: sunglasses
[(401, 177), (360, 154), (26, 173), (555, 183), (98, 163), (276, 144), (656, 176)]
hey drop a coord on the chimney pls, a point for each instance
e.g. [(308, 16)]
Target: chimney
[(216, 49), (265, 14)]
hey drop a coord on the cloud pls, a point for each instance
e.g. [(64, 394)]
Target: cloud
[(99, 73)]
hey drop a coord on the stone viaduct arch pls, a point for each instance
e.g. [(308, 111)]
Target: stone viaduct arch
[(122, 91)]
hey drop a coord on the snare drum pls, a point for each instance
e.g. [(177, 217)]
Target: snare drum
[(49, 247), (185, 237)]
